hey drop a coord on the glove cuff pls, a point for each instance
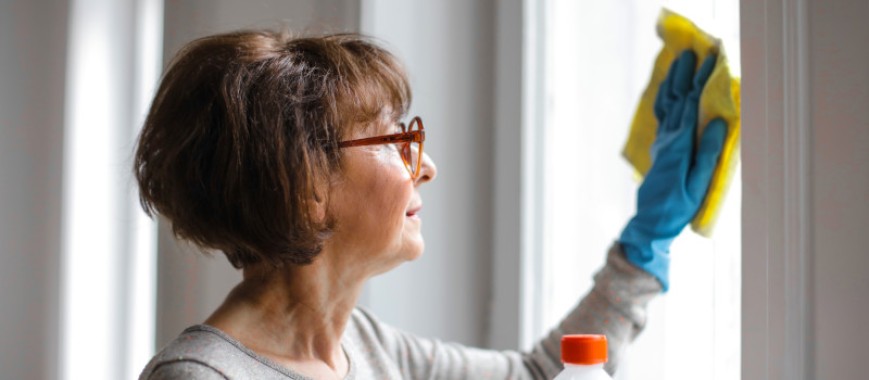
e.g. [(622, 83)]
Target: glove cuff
[(650, 255)]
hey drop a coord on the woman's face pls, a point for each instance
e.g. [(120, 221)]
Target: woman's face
[(376, 204)]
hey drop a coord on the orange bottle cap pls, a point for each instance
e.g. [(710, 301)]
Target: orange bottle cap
[(584, 349)]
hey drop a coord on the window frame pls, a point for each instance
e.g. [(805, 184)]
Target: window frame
[(776, 213), (517, 172)]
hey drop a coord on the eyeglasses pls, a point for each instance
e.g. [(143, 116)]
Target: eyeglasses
[(409, 143)]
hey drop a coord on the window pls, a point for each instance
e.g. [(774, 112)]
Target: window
[(597, 58)]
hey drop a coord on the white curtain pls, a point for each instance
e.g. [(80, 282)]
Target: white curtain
[(107, 275)]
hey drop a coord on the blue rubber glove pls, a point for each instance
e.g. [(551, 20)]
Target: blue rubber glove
[(679, 177)]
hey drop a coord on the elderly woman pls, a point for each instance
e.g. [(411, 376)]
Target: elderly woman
[(288, 156)]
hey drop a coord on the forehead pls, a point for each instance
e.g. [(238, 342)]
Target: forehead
[(386, 123)]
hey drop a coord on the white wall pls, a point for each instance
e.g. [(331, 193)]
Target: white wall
[(32, 57)]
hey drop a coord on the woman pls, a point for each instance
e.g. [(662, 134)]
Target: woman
[(287, 155)]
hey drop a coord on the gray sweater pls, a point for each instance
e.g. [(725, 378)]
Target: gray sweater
[(616, 306)]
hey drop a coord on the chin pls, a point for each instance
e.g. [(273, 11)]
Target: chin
[(415, 251), (411, 249), (414, 256), (412, 245)]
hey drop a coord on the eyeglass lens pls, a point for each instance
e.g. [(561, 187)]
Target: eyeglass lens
[(412, 151)]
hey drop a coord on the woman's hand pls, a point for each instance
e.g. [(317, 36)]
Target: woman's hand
[(677, 182)]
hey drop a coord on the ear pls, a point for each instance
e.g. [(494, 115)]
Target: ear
[(324, 192), (319, 205)]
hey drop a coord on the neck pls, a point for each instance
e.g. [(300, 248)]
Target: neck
[(294, 315)]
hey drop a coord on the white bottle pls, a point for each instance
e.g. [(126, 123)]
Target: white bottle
[(583, 357)]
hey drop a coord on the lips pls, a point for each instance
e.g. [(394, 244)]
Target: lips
[(413, 211)]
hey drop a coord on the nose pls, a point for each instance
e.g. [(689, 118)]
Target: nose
[(428, 171)]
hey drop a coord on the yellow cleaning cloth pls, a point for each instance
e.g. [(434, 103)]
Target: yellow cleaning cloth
[(720, 98)]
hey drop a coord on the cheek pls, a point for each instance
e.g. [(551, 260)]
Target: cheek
[(389, 200), (382, 201), (390, 182), (371, 201)]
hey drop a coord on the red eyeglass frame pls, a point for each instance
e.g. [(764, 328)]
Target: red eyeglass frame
[(406, 137)]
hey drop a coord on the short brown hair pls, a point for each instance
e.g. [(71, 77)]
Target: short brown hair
[(244, 130)]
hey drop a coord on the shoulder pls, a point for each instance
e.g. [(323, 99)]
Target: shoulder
[(189, 356), (382, 340), (204, 352), (364, 327), (182, 369), (361, 318), (376, 349)]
